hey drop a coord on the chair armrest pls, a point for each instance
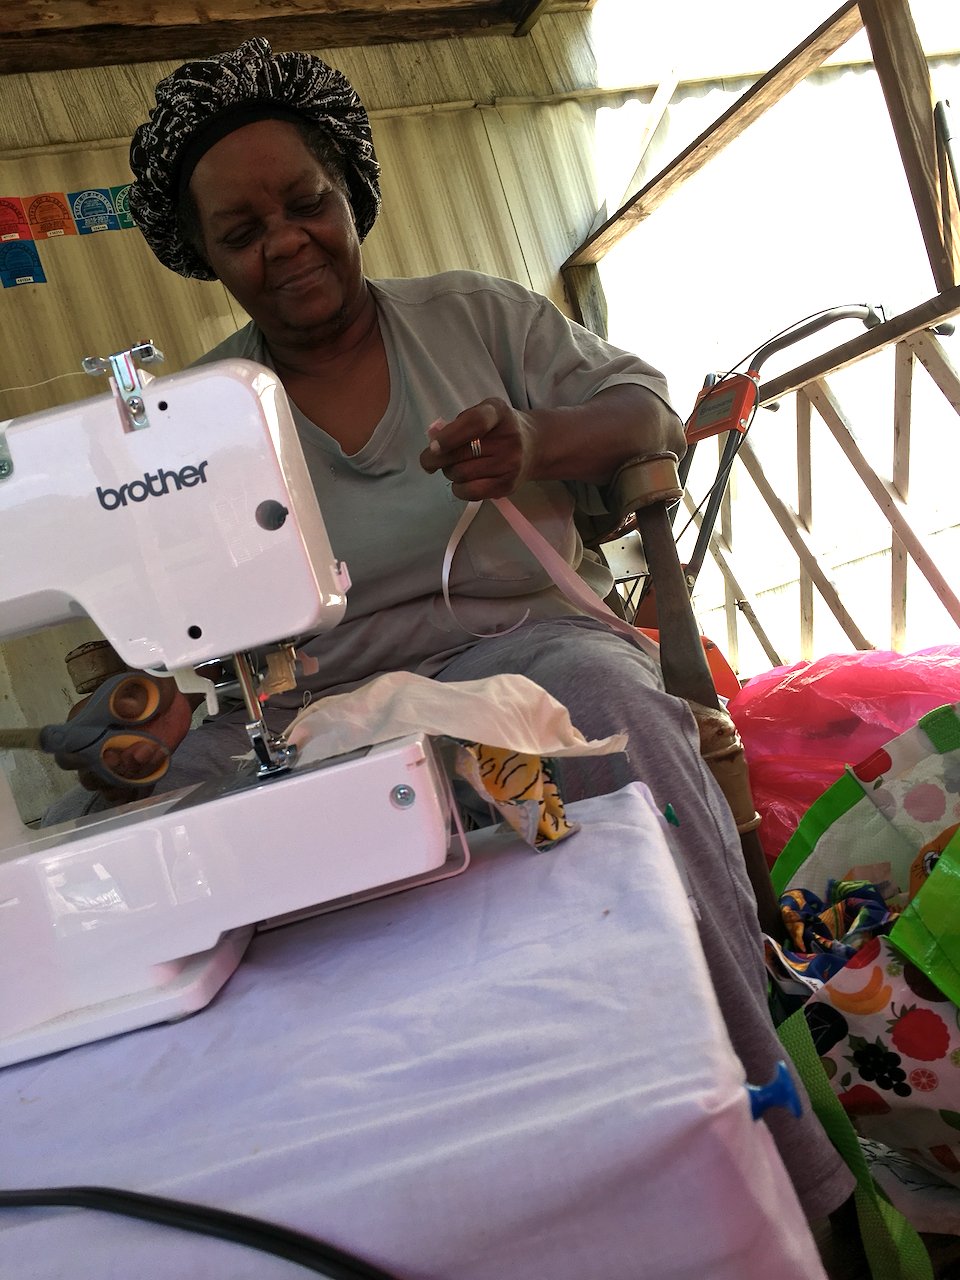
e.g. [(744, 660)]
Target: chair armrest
[(642, 481)]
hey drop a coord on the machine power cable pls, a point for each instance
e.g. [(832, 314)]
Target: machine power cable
[(315, 1255)]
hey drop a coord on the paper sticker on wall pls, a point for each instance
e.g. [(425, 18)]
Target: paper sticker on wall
[(121, 203), (93, 210), (20, 264), (13, 220), (49, 215)]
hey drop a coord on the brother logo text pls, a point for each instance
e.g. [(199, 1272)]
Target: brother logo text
[(153, 485)]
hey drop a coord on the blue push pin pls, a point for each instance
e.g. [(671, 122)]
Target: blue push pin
[(780, 1092)]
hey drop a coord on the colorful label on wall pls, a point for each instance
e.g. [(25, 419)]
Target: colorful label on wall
[(121, 203), (20, 264), (49, 215), (14, 224), (93, 210)]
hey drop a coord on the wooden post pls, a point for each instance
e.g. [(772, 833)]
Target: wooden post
[(902, 67), (587, 299), (885, 496), (530, 14), (805, 516), (899, 558)]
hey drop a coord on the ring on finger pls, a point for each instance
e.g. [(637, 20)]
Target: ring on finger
[(475, 448)]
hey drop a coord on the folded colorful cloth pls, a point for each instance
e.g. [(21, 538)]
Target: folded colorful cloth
[(521, 787), (825, 934)]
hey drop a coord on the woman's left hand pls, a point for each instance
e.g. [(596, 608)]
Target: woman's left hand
[(487, 451)]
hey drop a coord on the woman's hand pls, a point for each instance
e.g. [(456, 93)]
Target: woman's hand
[(585, 442), (487, 451)]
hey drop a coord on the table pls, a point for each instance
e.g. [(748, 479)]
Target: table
[(516, 1074)]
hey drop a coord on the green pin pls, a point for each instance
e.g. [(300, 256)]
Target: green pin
[(671, 816)]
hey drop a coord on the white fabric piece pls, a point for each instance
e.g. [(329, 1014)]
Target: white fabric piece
[(516, 1074), (507, 711), (926, 1201)]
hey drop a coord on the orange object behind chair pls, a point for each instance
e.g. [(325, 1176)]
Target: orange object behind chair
[(724, 677)]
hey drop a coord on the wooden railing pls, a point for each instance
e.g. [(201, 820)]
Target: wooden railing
[(809, 387), (901, 67)]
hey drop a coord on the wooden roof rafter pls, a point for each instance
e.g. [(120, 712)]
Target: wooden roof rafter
[(87, 33), (905, 80), (767, 91), (902, 69)]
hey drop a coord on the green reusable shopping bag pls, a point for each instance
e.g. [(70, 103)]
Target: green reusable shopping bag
[(894, 1250), (903, 797), (928, 930), (899, 806)]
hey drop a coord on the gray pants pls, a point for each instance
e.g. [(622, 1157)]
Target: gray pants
[(609, 686)]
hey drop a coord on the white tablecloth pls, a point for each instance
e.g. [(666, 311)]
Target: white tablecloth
[(517, 1074)]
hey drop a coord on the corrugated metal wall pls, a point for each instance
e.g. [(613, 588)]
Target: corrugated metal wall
[(505, 189), (468, 181)]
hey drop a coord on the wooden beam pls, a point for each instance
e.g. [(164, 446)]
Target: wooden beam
[(949, 180), (805, 516), (86, 33), (72, 15), (937, 363), (885, 496), (725, 539), (587, 299), (768, 90), (530, 14), (902, 67), (927, 314), (652, 119), (798, 538), (744, 603), (902, 423)]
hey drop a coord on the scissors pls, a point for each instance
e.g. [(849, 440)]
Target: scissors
[(109, 720)]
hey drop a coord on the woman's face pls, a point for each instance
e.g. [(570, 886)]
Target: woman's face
[(279, 232)]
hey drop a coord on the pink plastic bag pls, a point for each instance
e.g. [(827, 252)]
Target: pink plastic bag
[(801, 725)]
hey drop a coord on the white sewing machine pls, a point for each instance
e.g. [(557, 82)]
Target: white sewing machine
[(178, 514)]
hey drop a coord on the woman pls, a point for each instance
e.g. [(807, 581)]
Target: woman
[(411, 398)]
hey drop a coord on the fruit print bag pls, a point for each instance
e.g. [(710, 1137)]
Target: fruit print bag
[(887, 1025), (889, 1041)]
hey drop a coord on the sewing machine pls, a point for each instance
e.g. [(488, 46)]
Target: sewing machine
[(178, 514)]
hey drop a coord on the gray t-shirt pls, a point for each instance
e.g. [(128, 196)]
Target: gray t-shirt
[(452, 340)]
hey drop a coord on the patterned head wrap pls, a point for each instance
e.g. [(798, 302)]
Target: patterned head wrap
[(250, 83)]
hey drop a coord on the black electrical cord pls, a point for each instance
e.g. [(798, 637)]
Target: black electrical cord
[(315, 1255), (724, 473), (721, 477), (782, 334), (731, 372)]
